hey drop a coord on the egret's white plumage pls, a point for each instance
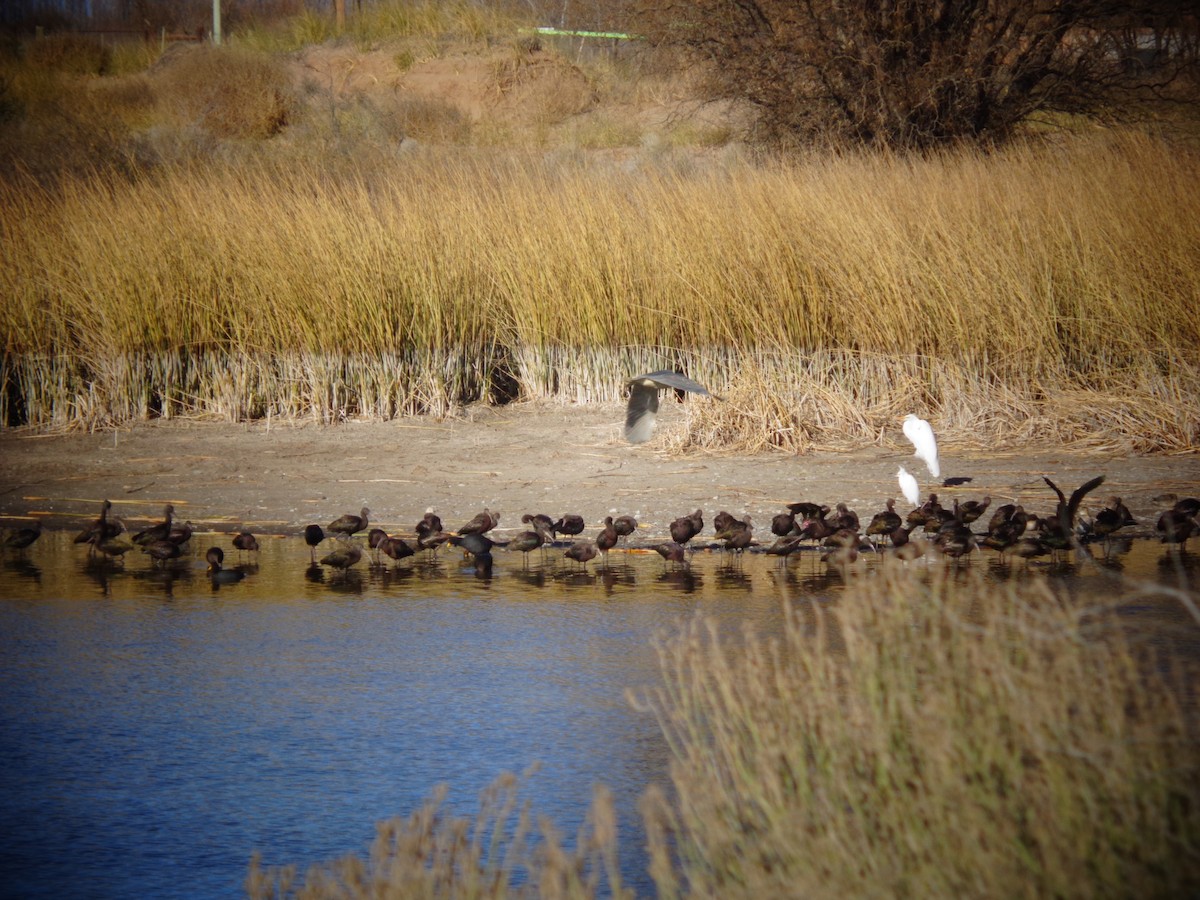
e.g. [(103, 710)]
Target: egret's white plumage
[(909, 487), (921, 436), (642, 409)]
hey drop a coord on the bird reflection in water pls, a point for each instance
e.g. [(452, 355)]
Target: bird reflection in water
[(24, 568)]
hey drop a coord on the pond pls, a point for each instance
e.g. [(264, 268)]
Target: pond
[(156, 728)]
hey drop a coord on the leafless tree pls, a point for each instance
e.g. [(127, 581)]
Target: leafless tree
[(917, 73)]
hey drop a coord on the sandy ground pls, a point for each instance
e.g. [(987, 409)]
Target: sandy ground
[(515, 459)]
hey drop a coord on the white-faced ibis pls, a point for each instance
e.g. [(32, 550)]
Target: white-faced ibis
[(971, 510), (582, 552), (921, 514), (374, 537), (181, 534), (807, 510), (102, 529), (687, 527), (886, 521), (783, 524), (908, 486), (955, 540), (482, 523), (607, 538), (115, 548), (161, 551), (350, 524), (539, 522), (903, 547), (313, 535), (738, 535), (158, 532), (431, 540), (722, 521), (1059, 532), (343, 557), (920, 435), (21, 538), (672, 552), (1112, 518), (396, 548), (527, 541), (641, 412), (570, 525), (785, 546), (245, 542), (1175, 526), (625, 526), (845, 518), (430, 522)]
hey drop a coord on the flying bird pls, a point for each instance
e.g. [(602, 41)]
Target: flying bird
[(920, 434), (909, 487), (642, 409)]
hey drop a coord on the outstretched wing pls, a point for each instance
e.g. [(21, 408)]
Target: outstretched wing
[(642, 409), (665, 378)]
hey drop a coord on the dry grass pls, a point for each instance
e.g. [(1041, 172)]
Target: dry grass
[(502, 852), (1041, 293), (932, 736)]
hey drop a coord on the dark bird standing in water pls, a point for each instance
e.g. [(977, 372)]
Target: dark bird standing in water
[(1178, 523), (1113, 517), (246, 542), (641, 412), (845, 518), (395, 548), (607, 538), (374, 537), (350, 524), (21, 538), (161, 551), (671, 552), (885, 522), (1059, 532), (581, 552), (625, 526), (971, 510), (159, 532), (343, 557), (570, 525), (102, 529), (685, 528), (527, 541), (482, 523), (313, 535)]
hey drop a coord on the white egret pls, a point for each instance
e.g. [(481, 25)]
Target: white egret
[(909, 487), (921, 436), (642, 409)]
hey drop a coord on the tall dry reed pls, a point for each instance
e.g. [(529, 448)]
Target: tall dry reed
[(932, 735), (500, 853), (1040, 279)]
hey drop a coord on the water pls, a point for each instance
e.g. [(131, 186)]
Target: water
[(156, 728)]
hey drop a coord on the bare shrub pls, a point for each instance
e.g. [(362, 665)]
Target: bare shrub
[(70, 53), (225, 91)]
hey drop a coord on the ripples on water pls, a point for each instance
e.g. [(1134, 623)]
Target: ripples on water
[(156, 727)]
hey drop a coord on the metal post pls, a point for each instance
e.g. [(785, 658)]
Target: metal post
[(217, 22)]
